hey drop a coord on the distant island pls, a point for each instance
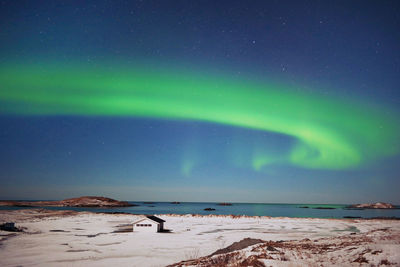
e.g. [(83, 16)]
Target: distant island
[(84, 201), (378, 205), (318, 208), (209, 209), (224, 204)]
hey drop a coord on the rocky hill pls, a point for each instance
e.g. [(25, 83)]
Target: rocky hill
[(378, 205), (85, 201)]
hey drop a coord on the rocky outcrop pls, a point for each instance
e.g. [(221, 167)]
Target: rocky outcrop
[(378, 205), (346, 250), (9, 227), (85, 201), (224, 204)]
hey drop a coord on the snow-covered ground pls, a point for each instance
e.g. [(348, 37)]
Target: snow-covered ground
[(60, 238)]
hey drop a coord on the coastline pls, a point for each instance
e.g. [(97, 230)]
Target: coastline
[(61, 238), (250, 209), (45, 212)]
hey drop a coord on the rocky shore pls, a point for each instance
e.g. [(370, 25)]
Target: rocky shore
[(85, 201), (378, 205)]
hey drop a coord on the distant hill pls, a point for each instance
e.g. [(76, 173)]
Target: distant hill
[(378, 205), (84, 201)]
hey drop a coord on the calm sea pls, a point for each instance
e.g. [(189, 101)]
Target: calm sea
[(250, 209)]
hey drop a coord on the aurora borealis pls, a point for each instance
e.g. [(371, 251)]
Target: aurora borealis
[(234, 119), (325, 136)]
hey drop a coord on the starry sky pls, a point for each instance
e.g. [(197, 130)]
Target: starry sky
[(239, 101)]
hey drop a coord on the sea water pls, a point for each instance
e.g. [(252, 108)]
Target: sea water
[(249, 209)]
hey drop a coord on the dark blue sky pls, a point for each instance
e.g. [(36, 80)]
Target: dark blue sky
[(344, 49)]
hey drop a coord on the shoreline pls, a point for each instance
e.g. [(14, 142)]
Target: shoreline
[(232, 216)]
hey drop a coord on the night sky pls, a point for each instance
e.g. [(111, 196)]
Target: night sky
[(239, 101)]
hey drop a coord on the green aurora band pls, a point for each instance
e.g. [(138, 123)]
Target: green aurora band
[(330, 133)]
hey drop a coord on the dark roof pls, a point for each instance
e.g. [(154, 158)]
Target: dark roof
[(154, 218)]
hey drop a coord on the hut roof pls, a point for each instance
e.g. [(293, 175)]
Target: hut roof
[(153, 218)]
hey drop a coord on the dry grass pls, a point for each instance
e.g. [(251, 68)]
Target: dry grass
[(343, 250)]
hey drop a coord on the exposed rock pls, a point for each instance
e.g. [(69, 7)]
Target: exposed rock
[(85, 201), (224, 204), (345, 250), (9, 227), (317, 208), (244, 243), (209, 209), (361, 259), (378, 205)]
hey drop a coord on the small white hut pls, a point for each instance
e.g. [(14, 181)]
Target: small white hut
[(149, 224)]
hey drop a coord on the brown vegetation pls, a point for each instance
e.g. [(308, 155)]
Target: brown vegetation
[(85, 201), (342, 250)]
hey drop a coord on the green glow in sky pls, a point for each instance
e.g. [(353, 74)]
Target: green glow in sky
[(329, 133)]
